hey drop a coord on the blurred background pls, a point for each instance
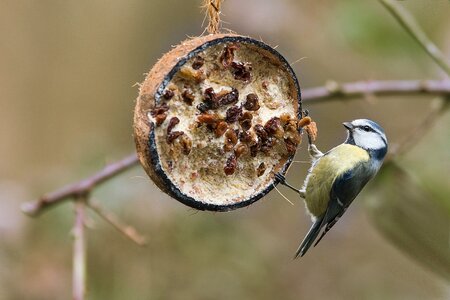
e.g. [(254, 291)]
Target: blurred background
[(67, 88)]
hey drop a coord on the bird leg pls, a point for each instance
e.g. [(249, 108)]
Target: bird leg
[(282, 180), (311, 131), (314, 152)]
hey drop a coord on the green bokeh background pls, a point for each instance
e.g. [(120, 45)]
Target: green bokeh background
[(67, 87)]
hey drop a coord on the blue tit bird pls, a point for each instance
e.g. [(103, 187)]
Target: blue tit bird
[(338, 176)]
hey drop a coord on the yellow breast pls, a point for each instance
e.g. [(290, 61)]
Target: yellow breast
[(319, 181)]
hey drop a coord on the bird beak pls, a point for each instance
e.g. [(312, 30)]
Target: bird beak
[(348, 125)]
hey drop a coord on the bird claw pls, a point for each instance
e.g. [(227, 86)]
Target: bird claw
[(282, 180)]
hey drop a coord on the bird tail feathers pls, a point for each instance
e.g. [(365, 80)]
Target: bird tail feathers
[(310, 237)]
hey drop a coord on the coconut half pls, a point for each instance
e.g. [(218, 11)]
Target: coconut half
[(215, 119)]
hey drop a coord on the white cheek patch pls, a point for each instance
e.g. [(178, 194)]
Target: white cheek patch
[(369, 140)]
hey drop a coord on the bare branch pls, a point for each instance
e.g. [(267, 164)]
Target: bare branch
[(80, 188), (127, 230), (328, 92), (79, 250), (410, 25), (334, 90)]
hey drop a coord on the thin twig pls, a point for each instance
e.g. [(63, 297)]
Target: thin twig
[(381, 88), (79, 250), (127, 230), (79, 188), (410, 25)]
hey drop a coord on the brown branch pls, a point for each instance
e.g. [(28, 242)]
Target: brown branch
[(80, 188), (333, 90), (79, 250)]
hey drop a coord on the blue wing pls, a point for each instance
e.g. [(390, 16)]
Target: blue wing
[(344, 190)]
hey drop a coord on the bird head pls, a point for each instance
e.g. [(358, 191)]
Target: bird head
[(368, 135)]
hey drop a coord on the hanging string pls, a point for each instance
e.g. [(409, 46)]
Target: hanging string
[(213, 12)]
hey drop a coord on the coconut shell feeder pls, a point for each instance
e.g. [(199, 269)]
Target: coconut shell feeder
[(216, 118)]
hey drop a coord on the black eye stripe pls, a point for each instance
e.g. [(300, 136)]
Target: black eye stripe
[(366, 128)]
